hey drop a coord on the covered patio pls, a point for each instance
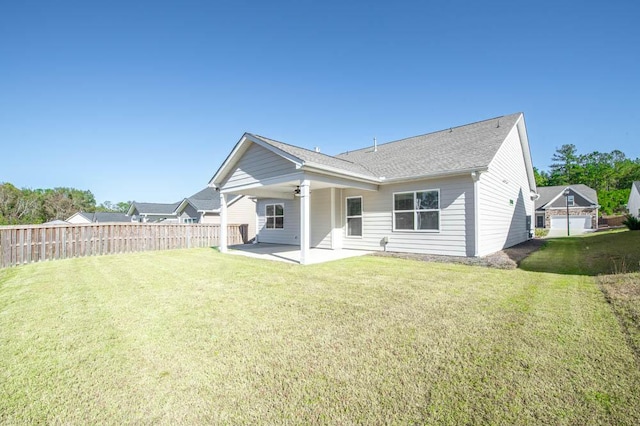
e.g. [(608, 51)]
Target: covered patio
[(292, 254), (282, 178)]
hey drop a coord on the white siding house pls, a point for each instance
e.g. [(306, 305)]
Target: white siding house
[(634, 200), (204, 207), (463, 191)]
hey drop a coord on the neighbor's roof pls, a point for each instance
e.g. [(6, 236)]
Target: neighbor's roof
[(86, 215), (548, 193), (458, 148), (110, 217), (154, 208), (637, 185), (56, 222), (207, 200)]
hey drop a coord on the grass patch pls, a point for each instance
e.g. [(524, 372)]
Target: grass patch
[(623, 293), (588, 254), (195, 337)]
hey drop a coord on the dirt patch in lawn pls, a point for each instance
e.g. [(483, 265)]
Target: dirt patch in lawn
[(508, 258)]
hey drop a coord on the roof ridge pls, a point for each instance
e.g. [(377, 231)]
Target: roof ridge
[(431, 133)]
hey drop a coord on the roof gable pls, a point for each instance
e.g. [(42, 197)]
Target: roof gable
[(299, 157), (548, 194)]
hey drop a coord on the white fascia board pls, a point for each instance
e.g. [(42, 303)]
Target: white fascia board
[(225, 164), (445, 174), (182, 205), (526, 151), (321, 168), (265, 192), (341, 181), (239, 149), (264, 182)]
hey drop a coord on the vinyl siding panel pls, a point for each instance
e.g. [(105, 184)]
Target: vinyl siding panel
[(256, 164), (243, 212), (504, 199), (578, 201), (291, 232), (634, 202), (211, 218), (78, 219), (189, 212), (321, 218), (456, 234)]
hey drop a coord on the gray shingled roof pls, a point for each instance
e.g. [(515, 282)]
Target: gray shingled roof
[(155, 208), (458, 148), (309, 156), (637, 185), (548, 193), (87, 215), (208, 199), (110, 217)]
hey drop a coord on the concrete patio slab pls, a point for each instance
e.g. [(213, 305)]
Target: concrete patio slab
[(291, 254)]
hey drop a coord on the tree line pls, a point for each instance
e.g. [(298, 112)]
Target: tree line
[(611, 174), (33, 206)]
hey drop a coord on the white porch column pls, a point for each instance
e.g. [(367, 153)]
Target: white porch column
[(476, 212), (222, 244), (305, 234)]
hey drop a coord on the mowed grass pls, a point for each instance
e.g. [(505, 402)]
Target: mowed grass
[(195, 337), (600, 253)]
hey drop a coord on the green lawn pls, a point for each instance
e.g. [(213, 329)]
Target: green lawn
[(195, 337), (599, 253)]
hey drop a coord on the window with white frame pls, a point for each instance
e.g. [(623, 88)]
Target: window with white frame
[(416, 210), (354, 216), (570, 201), (274, 214), (189, 220)]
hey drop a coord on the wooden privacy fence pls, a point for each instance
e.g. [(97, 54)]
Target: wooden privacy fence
[(35, 243)]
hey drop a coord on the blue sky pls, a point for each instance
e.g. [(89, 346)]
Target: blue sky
[(143, 100)]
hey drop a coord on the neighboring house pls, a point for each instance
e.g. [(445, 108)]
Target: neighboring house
[(204, 207), (56, 222), (634, 200), (551, 207), (153, 212), (98, 217), (463, 191)]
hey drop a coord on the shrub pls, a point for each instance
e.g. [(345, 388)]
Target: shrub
[(633, 223), (541, 232)]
